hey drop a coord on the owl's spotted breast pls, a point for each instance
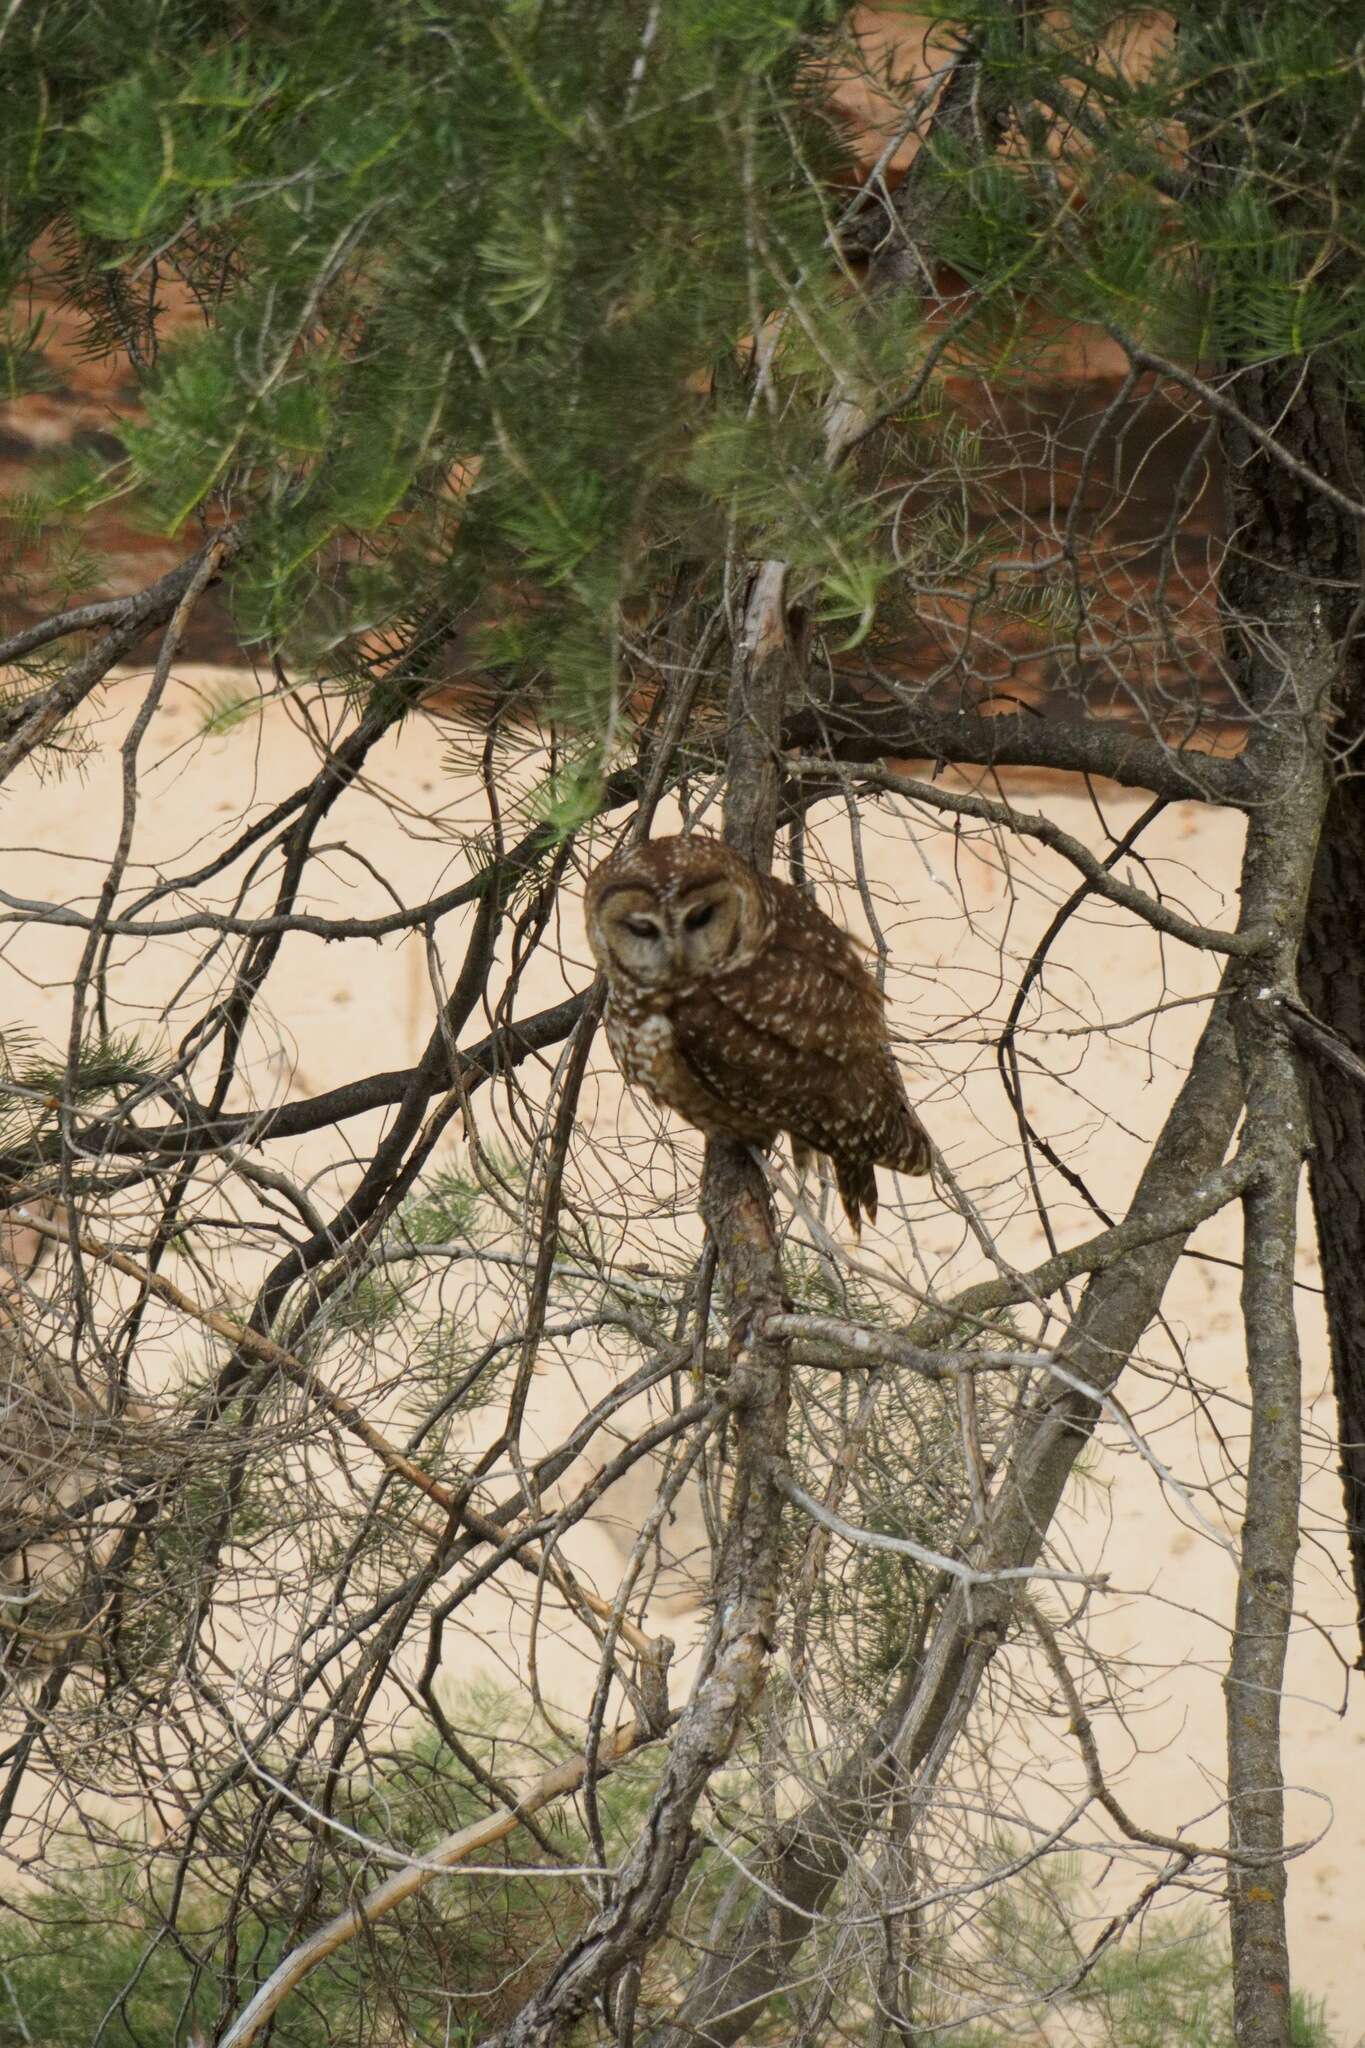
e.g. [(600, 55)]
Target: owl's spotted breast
[(645, 1046), (734, 1000)]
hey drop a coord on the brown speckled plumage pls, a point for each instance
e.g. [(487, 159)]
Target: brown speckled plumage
[(735, 1001)]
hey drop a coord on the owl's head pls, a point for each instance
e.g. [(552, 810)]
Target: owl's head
[(668, 914)]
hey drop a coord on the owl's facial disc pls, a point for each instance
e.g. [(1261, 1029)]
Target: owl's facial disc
[(709, 927), (638, 942)]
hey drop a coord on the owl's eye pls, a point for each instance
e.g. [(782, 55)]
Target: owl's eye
[(695, 919), (643, 927)]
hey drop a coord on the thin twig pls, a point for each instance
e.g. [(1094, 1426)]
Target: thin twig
[(341, 1410), (1031, 825), (902, 1546)]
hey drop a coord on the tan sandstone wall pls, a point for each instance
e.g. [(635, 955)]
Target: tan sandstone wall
[(959, 931)]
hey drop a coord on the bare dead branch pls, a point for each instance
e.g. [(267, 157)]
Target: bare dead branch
[(41, 714), (1083, 1729), (1030, 825), (565, 1779), (901, 1546)]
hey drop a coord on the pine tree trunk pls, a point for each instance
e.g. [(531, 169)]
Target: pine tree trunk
[(1291, 534), (1332, 982), (1287, 592)]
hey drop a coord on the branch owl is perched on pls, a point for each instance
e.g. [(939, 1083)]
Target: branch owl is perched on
[(735, 1001)]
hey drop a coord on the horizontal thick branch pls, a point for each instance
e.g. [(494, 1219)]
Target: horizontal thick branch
[(910, 728), (81, 618), (864, 1347)]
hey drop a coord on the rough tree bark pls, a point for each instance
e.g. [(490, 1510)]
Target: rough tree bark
[(1289, 617), (1298, 549), (1300, 553), (1332, 982), (1281, 845)]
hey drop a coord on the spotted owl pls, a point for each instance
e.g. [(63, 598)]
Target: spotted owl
[(734, 1000)]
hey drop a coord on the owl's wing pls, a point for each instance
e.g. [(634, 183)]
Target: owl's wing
[(865, 1110), (803, 930), (809, 987), (750, 1065), (801, 1048)]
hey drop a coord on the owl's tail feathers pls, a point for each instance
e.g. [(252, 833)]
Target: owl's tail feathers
[(857, 1177), (914, 1153), (857, 1183)]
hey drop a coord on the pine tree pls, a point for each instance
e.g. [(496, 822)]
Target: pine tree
[(589, 364)]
